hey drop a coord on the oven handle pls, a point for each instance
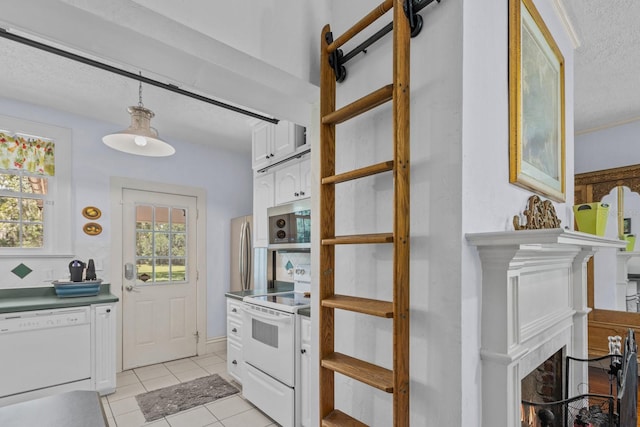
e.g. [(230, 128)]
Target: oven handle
[(285, 317)]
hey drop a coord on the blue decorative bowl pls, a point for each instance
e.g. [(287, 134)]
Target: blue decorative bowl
[(77, 289)]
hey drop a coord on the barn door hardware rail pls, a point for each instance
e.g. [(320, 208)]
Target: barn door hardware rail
[(97, 64), (337, 58)]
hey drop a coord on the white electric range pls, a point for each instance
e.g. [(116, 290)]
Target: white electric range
[(270, 348)]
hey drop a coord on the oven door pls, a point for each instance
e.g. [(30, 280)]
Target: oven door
[(268, 341)]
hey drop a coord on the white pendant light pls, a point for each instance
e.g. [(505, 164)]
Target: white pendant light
[(139, 138)]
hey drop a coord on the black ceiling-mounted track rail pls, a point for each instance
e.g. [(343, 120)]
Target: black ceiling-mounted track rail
[(170, 87), (337, 59)]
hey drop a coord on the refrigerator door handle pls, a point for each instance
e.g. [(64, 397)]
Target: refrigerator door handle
[(241, 258), (247, 246)]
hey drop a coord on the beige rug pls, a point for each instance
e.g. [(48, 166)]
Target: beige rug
[(170, 400)]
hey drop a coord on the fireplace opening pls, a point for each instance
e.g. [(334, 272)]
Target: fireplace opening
[(544, 384), (547, 402)]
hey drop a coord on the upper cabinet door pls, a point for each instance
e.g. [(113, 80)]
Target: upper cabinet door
[(272, 143), (293, 182), (262, 142), (287, 183), (285, 140), (263, 192), (305, 178)]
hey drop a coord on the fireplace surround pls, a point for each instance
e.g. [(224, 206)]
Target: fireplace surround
[(534, 303)]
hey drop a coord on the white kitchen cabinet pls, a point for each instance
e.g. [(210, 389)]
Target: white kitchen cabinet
[(305, 371), (272, 143), (235, 363), (263, 197), (293, 182), (104, 347)]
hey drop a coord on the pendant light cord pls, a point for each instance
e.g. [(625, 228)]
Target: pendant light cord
[(140, 92)]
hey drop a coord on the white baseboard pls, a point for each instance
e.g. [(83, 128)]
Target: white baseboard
[(216, 345)]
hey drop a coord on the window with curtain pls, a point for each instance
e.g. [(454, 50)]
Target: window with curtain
[(27, 167)]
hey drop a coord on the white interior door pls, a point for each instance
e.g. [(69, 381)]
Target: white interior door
[(159, 278)]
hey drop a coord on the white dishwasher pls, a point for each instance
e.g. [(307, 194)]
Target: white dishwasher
[(44, 348)]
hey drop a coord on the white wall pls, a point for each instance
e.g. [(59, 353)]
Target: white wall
[(93, 164), (608, 148)]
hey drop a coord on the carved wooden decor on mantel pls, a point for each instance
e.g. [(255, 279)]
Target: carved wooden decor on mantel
[(539, 214)]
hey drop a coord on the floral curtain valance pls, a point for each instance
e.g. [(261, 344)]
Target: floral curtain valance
[(28, 153)]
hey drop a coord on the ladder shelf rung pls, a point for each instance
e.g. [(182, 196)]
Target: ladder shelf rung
[(369, 19), (338, 418), (359, 239), (360, 305), (365, 372), (359, 173), (362, 105)]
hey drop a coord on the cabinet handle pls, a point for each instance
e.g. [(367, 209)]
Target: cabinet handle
[(296, 194), (233, 310), (303, 351), (234, 362), (108, 310), (302, 193), (267, 156), (234, 330), (271, 155)]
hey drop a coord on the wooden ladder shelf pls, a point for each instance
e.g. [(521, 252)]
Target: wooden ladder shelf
[(395, 380)]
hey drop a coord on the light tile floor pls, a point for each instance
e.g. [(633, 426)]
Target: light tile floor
[(122, 408)]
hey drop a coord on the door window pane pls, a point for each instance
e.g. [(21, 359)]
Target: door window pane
[(178, 245), (161, 219), (178, 270), (144, 244), (162, 270), (161, 247), (178, 219)]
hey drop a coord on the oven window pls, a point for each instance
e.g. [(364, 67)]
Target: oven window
[(265, 333), (303, 226)]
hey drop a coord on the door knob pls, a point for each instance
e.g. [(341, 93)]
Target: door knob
[(131, 288)]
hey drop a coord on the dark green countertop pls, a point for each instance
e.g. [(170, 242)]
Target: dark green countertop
[(279, 286), (43, 298)]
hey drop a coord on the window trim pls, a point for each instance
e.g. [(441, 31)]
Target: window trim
[(57, 223)]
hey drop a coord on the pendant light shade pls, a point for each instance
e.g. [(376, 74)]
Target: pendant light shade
[(139, 138)]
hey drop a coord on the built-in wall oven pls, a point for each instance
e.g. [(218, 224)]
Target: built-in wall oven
[(290, 226), (270, 347)]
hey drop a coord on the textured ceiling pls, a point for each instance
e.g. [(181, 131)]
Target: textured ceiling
[(607, 61)]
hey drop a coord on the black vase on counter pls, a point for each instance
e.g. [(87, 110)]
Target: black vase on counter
[(91, 271), (76, 268)]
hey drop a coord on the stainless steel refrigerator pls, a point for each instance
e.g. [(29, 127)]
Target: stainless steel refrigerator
[(241, 274), (248, 265)]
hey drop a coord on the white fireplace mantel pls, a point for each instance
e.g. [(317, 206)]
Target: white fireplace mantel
[(534, 303)]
